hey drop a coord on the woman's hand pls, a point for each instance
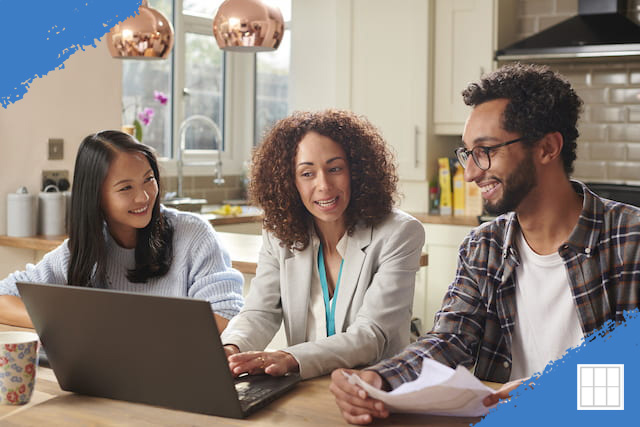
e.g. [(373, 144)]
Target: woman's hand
[(230, 349), (274, 363)]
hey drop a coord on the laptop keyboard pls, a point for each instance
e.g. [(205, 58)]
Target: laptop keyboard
[(256, 391), (251, 392)]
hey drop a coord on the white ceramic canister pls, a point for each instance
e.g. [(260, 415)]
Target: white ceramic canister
[(21, 218), (51, 212)]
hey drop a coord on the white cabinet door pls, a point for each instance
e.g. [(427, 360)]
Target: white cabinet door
[(442, 244), (464, 44), (389, 75)]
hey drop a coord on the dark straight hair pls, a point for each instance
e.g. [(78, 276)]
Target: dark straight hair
[(87, 240)]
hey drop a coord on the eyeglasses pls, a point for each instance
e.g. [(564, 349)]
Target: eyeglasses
[(481, 155)]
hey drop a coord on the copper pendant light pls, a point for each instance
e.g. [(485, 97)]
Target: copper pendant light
[(148, 35), (248, 26)]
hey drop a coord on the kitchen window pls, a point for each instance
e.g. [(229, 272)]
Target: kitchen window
[(272, 86), (243, 93)]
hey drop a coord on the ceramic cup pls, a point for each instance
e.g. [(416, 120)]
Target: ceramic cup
[(18, 363)]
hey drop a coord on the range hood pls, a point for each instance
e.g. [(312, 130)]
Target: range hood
[(602, 28)]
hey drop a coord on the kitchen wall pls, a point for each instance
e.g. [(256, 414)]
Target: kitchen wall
[(69, 103), (609, 143)]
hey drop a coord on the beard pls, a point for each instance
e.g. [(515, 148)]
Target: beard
[(515, 188)]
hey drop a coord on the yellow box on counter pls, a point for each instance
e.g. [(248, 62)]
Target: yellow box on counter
[(458, 191), (444, 178), (473, 200)]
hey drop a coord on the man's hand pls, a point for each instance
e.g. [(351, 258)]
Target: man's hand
[(354, 403), (503, 392), (274, 363)]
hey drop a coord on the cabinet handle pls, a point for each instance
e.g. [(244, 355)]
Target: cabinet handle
[(416, 133), (481, 72)]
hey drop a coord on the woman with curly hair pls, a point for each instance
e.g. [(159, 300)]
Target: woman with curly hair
[(338, 262)]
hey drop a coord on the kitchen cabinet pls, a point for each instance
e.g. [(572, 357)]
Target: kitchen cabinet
[(442, 243), (466, 35), (389, 51)]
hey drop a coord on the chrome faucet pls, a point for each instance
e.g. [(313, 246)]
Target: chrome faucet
[(217, 137)]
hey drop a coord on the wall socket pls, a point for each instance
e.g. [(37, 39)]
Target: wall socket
[(58, 178), (56, 148)]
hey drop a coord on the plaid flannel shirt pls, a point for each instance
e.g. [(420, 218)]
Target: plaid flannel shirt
[(475, 324)]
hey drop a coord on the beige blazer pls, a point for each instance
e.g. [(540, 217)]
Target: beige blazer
[(373, 310)]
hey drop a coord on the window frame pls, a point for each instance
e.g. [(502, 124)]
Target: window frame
[(255, 142), (238, 84), (239, 91)]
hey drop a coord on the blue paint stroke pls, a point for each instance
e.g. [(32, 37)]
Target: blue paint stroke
[(38, 36), (553, 400)]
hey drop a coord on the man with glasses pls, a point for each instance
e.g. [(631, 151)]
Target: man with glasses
[(554, 266)]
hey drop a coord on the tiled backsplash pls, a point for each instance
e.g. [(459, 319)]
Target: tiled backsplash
[(609, 143), (203, 187)]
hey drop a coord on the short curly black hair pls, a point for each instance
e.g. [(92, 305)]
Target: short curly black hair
[(540, 101), (272, 179)]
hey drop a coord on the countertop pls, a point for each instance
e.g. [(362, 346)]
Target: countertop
[(445, 219), (243, 248), (249, 214), (254, 214)]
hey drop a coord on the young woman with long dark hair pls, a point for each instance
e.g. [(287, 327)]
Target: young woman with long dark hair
[(122, 238)]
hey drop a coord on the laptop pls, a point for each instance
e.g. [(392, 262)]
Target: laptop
[(162, 351)]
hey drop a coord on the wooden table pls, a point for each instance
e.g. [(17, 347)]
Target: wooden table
[(309, 403)]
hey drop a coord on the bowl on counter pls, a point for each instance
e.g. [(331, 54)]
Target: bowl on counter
[(228, 210), (185, 204), (244, 219)]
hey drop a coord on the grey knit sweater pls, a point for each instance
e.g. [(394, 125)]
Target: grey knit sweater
[(201, 268)]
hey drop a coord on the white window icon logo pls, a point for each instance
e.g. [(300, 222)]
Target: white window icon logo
[(600, 387)]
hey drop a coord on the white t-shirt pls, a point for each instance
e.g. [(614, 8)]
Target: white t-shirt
[(316, 321), (546, 321)]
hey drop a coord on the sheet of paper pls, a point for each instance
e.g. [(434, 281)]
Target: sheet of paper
[(439, 390)]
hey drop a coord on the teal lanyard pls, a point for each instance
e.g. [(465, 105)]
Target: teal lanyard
[(329, 306)]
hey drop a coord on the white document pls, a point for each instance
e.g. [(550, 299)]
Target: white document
[(439, 390)]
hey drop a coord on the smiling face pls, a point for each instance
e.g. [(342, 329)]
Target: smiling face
[(128, 194), (322, 178), (512, 174)]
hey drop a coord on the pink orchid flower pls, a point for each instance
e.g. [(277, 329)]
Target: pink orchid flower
[(160, 97), (146, 115)]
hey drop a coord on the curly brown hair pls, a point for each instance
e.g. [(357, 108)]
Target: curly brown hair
[(272, 181), (540, 101)]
